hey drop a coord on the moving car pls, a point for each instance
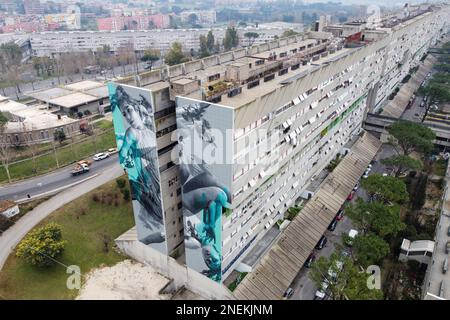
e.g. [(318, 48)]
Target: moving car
[(101, 156), (340, 215), (447, 247), (310, 260), (79, 169), (321, 243)]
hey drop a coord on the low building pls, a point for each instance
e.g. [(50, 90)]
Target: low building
[(33, 124), (420, 250), (84, 96), (9, 208)]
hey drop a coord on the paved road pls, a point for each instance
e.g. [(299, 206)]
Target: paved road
[(54, 180), (11, 237), (52, 82)]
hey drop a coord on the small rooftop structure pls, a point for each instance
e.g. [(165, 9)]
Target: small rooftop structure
[(8, 209)]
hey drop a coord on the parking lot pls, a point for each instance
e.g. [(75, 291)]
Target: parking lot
[(304, 288)]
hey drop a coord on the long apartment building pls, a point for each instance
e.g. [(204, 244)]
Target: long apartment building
[(231, 141), (55, 42)]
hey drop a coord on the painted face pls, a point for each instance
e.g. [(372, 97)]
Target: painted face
[(133, 117)]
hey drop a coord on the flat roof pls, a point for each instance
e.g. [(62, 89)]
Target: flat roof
[(48, 94), (249, 95), (183, 81), (73, 99), (34, 117), (279, 267), (84, 85)]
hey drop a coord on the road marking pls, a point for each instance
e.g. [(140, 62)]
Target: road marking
[(56, 190)]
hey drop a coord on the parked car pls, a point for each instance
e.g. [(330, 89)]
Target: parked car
[(447, 247), (351, 236), (350, 196), (112, 150), (356, 187), (448, 231), (333, 225), (322, 242), (310, 260), (445, 266), (101, 156), (340, 215), (289, 292), (322, 291)]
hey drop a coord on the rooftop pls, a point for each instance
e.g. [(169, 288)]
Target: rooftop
[(73, 94), (28, 118)]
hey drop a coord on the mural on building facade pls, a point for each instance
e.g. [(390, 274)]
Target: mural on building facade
[(134, 128), (206, 192)]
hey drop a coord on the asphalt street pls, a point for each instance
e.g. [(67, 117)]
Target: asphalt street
[(54, 180)]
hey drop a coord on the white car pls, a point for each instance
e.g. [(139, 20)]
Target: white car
[(351, 236), (321, 293), (101, 156)]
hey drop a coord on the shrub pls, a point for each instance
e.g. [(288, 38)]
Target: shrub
[(126, 194), (419, 193), (41, 246), (121, 183), (95, 197), (5, 223)]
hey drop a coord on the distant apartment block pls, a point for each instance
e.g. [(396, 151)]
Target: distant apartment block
[(206, 17), (140, 22), (51, 43), (32, 7)]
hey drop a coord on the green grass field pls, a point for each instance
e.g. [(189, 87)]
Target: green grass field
[(66, 155), (85, 224)]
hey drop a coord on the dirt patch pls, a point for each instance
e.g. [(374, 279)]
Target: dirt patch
[(126, 280)]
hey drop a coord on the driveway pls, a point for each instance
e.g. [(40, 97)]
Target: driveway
[(11, 237)]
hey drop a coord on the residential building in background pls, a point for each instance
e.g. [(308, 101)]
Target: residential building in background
[(204, 17), (51, 43), (32, 7), (140, 22), (307, 94)]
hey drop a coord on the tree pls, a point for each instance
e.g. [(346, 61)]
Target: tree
[(175, 55), (349, 283), (231, 39), (59, 135), (151, 55), (210, 41), (386, 189), (251, 36), (438, 92), (11, 55), (192, 19), (41, 246), (410, 136), (4, 144), (370, 249), (203, 52), (402, 162), (388, 222), (376, 216), (289, 33)]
